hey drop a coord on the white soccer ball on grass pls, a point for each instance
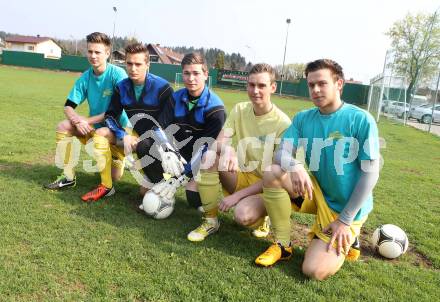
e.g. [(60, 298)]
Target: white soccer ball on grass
[(157, 207), (390, 241)]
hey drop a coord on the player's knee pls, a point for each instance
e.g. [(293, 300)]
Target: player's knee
[(151, 166), (193, 199), (103, 131), (209, 161), (244, 216), (64, 126), (315, 272), (116, 174), (143, 147), (143, 190), (272, 176)]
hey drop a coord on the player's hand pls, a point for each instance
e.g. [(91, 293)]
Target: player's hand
[(172, 163), (301, 182), (83, 127), (130, 143), (341, 233), (228, 202), (75, 119), (166, 188), (228, 160)]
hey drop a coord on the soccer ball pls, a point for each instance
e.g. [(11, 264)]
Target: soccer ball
[(157, 207), (390, 241)]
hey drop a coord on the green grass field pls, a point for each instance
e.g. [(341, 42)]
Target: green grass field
[(55, 248)]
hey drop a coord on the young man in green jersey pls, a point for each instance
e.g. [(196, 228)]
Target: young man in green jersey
[(341, 148), (95, 85)]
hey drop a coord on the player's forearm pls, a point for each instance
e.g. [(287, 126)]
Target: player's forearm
[(222, 142), (96, 119), (362, 190), (285, 156), (71, 115), (253, 189)]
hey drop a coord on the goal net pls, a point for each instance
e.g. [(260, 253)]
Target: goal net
[(387, 95)]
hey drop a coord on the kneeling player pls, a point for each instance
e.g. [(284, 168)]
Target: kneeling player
[(143, 96), (257, 123), (342, 153)]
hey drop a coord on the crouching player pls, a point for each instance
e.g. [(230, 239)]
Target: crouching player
[(342, 152), (96, 85), (143, 96), (253, 127), (193, 118)]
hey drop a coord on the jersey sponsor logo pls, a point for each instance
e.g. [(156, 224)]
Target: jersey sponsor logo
[(335, 135), (107, 92)]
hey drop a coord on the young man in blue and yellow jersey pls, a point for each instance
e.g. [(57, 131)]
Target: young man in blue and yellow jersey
[(195, 112), (96, 86), (341, 149), (142, 96), (198, 115)]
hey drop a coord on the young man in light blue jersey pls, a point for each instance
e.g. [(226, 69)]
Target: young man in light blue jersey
[(341, 147), (95, 85)]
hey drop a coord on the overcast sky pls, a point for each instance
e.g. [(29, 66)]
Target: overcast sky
[(348, 31)]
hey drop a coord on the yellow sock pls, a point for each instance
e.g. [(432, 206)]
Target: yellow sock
[(64, 148), (103, 158), (278, 207), (209, 189)]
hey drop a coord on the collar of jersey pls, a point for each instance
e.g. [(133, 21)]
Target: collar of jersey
[(203, 98)]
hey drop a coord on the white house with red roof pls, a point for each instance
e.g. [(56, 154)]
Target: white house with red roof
[(43, 45)]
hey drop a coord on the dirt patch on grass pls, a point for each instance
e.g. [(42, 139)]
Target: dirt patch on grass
[(72, 286), (412, 171), (412, 255), (43, 159), (299, 234), (4, 167)]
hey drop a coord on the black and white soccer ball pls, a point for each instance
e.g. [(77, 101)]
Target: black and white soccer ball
[(390, 241), (157, 207)]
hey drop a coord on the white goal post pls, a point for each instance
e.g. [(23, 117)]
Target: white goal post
[(384, 90)]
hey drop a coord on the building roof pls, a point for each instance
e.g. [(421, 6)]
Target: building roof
[(27, 39), (120, 52), (166, 55), (352, 81)]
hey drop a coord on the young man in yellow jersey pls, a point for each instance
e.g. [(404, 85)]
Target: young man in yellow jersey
[(243, 149)]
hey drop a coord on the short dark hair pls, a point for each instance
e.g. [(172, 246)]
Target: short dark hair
[(100, 38), (331, 65), (194, 58), (263, 67), (138, 48)]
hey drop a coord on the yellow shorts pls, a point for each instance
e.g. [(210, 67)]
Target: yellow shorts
[(118, 155), (323, 215), (244, 180)]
